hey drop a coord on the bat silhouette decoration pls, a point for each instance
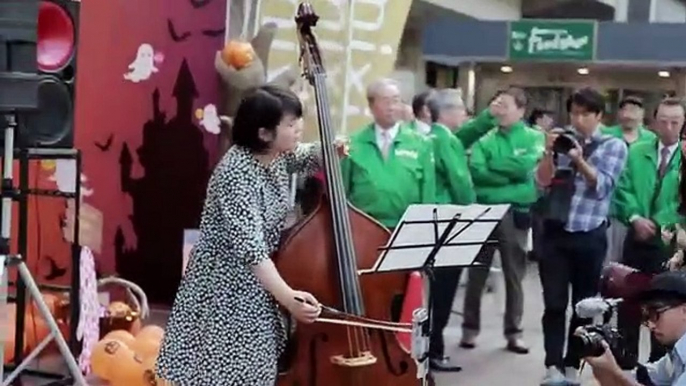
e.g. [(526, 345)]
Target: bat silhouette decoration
[(108, 143)]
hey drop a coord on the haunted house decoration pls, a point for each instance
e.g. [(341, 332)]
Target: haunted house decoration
[(169, 197), (234, 83)]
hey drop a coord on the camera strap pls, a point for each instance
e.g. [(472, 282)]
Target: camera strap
[(556, 202)]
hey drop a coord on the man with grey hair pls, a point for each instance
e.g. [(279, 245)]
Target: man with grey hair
[(453, 186), (389, 166)]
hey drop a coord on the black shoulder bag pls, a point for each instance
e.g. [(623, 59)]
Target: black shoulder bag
[(556, 202)]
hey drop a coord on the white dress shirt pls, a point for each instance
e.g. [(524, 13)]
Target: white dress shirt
[(380, 139), (423, 127)]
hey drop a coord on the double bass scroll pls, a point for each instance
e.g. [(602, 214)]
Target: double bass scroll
[(323, 254)]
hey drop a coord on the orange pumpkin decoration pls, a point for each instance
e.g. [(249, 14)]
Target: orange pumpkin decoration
[(106, 357), (130, 372), (238, 54), (151, 332), (122, 336), (146, 347), (149, 372)]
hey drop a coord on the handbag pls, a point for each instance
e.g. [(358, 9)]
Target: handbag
[(522, 219)]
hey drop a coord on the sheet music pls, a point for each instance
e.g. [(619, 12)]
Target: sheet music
[(419, 239)]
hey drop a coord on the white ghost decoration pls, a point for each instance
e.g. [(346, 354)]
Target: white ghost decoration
[(143, 66), (64, 178), (209, 119)]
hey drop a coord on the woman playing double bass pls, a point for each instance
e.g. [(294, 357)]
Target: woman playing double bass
[(225, 327)]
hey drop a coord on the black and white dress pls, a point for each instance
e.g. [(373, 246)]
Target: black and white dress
[(225, 329)]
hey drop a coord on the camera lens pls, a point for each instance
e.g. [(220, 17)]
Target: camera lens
[(591, 343), (563, 144)]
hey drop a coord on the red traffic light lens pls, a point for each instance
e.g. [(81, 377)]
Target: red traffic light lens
[(55, 37)]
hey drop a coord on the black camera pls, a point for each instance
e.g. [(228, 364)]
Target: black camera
[(564, 142), (590, 339)]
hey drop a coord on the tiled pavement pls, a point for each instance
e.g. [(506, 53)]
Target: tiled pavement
[(489, 363)]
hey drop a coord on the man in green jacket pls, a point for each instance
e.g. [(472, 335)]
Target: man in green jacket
[(502, 164), (631, 130), (646, 202), (389, 166), (453, 180), (453, 186)]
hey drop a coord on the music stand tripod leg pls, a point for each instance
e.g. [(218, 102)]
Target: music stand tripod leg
[(52, 327), (24, 273)]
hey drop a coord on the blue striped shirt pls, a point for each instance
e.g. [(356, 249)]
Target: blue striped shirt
[(590, 204)]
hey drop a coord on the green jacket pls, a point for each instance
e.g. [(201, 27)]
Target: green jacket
[(502, 165), (385, 188), (636, 187), (616, 131), (453, 181), (475, 128)]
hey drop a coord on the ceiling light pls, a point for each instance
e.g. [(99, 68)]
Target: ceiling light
[(582, 71), (663, 74), (506, 69)]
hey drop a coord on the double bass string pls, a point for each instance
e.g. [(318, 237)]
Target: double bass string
[(334, 199), (326, 149), (352, 289), (331, 186)]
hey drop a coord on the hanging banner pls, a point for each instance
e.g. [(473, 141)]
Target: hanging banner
[(359, 40)]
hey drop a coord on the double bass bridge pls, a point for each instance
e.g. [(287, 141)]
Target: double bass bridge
[(364, 358)]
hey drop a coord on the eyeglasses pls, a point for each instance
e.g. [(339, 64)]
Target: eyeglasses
[(652, 315)]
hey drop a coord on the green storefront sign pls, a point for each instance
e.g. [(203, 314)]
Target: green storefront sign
[(552, 40)]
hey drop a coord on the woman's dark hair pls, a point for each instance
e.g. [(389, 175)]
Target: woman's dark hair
[(263, 107), (588, 98), (537, 114)]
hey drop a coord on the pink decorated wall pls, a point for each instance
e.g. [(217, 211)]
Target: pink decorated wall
[(145, 123)]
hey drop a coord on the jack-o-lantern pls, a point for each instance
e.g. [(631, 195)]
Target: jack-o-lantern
[(238, 54)]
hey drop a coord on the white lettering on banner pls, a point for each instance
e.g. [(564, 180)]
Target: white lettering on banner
[(351, 36), (355, 76), (280, 44), (376, 24), (284, 45)]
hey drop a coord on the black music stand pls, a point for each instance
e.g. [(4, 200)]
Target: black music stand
[(432, 237)]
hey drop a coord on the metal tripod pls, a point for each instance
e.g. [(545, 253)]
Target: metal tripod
[(7, 260)]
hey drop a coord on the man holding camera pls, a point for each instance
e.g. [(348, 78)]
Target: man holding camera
[(646, 204), (579, 172), (664, 313)]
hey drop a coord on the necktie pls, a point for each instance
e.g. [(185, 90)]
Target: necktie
[(664, 161), (385, 143)]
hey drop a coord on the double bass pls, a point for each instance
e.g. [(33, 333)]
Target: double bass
[(323, 255)]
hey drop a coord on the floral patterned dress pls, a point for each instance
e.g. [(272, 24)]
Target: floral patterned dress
[(225, 328)]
